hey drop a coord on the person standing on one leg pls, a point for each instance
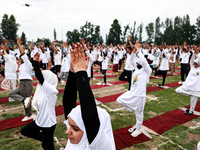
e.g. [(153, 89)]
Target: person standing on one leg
[(57, 60), (23, 92), (44, 102), (164, 66), (191, 85), (126, 75), (9, 83), (134, 100), (184, 60)]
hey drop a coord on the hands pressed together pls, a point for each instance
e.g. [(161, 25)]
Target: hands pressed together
[(78, 61)]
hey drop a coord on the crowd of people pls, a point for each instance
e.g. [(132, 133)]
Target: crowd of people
[(89, 126)]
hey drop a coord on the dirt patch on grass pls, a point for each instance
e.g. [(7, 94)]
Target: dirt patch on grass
[(115, 105), (105, 91)]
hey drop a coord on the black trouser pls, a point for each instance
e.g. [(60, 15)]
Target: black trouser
[(45, 135), (100, 64), (120, 64), (92, 71), (104, 75), (163, 73), (2, 72), (184, 70), (128, 75), (43, 65), (52, 59)]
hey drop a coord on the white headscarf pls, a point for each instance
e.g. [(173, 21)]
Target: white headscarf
[(197, 61), (105, 126), (49, 77)]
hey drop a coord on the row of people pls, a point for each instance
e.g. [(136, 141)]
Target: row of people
[(88, 126)]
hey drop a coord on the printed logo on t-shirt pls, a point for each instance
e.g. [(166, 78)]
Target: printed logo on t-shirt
[(197, 73), (135, 79)]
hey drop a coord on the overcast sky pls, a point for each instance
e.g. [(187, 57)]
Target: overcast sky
[(43, 16)]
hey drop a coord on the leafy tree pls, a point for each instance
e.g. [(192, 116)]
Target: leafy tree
[(54, 34), (168, 35), (198, 30), (73, 36), (86, 31), (9, 27), (178, 30), (150, 32), (96, 37), (114, 33), (133, 33), (23, 38), (46, 42), (140, 29), (188, 31), (91, 33), (124, 35), (158, 33)]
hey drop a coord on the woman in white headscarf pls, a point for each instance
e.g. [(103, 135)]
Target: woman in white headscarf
[(44, 102), (134, 100), (191, 84), (88, 126)]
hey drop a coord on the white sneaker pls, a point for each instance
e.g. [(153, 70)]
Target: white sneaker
[(26, 118), (33, 116), (136, 133), (27, 102), (103, 84), (11, 99), (131, 129), (180, 82), (108, 84)]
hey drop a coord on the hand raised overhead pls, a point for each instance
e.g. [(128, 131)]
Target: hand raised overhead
[(78, 60), (36, 56), (19, 42), (137, 45)]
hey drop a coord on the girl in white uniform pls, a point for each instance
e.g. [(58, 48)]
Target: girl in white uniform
[(191, 85), (134, 100), (44, 102)]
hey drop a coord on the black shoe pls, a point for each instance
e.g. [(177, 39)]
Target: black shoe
[(186, 111), (190, 113)]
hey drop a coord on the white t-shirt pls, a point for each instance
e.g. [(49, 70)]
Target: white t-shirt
[(91, 60), (25, 69), (184, 57), (100, 56), (156, 56), (115, 57), (65, 63), (105, 63), (164, 65), (57, 58), (10, 67), (128, 65), (44, 57), (46, 102), (121, 54), (33, 52)]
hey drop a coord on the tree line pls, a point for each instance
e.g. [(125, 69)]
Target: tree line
[(170, 30)]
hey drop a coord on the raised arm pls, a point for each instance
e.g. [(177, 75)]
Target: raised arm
[(19, 43), (38, 72), (87, 101)]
